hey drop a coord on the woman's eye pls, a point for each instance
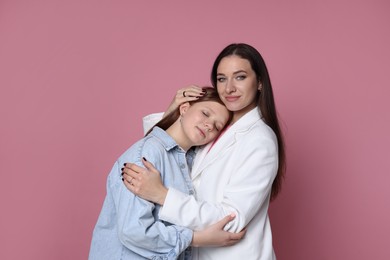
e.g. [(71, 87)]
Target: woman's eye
[(241, 77), (220, 79)]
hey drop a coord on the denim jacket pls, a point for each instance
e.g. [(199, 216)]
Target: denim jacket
[(129, 227)]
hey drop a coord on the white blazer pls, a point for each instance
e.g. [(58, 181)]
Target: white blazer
[(236, 175)]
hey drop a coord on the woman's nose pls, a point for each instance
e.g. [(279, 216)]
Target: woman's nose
[(229, 86)]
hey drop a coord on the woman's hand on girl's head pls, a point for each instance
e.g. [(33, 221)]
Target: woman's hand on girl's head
[(144, 182), (186, 94), (216, 236)]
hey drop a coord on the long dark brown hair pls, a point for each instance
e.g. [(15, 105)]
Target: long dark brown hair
[(265, 100), (211, 94)]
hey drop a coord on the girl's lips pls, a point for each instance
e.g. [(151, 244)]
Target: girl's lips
[(201, 132)]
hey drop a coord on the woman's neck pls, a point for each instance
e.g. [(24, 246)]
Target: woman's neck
[(238, 114)]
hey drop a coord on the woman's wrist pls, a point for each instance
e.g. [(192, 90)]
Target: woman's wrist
[(160, 199)]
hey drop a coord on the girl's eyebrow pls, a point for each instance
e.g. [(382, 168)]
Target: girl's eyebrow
[(209, 108), (218, 121)]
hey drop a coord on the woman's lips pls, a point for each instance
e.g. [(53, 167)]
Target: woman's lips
[(231, 98)]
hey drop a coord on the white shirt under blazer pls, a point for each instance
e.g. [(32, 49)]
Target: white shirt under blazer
[(235, 175)]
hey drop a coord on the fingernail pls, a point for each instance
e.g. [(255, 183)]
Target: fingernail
[(123, 179), (122, 169), (124, 164), (144, 159)]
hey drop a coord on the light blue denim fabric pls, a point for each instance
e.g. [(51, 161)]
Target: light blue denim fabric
[(129, 227)]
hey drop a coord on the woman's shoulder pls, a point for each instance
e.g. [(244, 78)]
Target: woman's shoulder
[(258, 129), (251, 124), (256, 136), (261, 126), (259, 140)]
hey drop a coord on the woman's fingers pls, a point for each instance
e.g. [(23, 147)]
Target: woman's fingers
[(149, 166), (132, 170), (191, 92), (186, 94)]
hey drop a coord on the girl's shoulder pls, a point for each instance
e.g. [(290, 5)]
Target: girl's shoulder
[(148, 147)]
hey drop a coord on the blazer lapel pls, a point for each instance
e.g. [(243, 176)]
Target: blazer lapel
[(207, 156)]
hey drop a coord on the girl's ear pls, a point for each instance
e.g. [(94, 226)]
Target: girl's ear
[(184, 107)]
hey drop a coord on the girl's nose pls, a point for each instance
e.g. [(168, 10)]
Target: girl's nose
[(208, 126)]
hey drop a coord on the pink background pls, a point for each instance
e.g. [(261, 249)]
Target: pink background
[(76, 78)]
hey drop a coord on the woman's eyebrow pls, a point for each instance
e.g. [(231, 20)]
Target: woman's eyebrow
[(234, 73), (239, 71)]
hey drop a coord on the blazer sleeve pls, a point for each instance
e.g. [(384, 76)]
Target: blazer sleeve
[(252, 171), (138, 230), (150, 120)]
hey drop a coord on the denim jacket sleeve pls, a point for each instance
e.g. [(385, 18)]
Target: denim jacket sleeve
[(138, 230)]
